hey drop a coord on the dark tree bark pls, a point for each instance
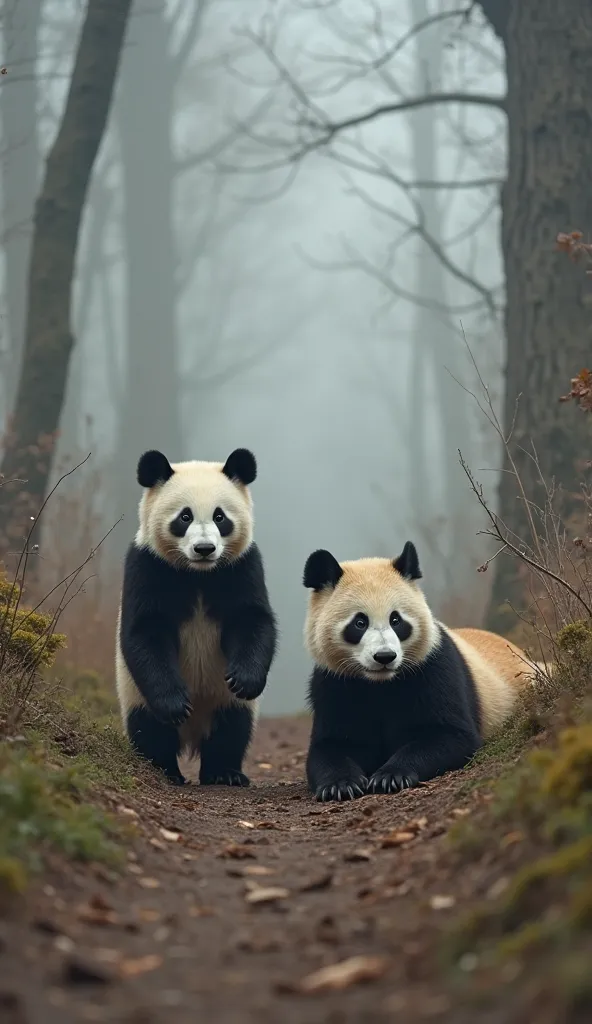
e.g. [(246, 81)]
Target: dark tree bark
[(20, 169), (58, 214), (548, 312), (150, 414)]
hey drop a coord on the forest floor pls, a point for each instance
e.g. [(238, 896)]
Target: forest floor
[(230, 901)]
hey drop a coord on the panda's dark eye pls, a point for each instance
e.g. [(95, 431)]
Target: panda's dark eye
[(361, 621), (395, 619), (219, 516), (186, 515)]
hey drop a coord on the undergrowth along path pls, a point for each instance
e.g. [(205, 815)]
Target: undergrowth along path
[(230, 902)]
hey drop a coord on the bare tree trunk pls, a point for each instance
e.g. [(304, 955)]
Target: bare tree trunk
[(548, 312), (58, 213), (150, 416), (20, 169), (89, 278)]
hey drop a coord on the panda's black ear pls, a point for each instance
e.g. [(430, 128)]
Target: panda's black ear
[(321, 570), (407, 564), (154, 468), (241, 465)]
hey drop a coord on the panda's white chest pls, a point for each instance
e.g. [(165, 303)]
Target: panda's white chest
[(201, 661)]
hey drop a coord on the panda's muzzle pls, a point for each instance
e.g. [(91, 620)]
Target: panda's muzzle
[(385, 656), (204, 550)]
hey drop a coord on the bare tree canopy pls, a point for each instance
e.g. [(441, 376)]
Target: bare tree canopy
[(548, 61)]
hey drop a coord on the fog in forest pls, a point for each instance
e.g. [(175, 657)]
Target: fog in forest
[(249, 278)]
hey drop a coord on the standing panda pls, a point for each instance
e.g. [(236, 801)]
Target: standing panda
[(397, 698), (196, 635)]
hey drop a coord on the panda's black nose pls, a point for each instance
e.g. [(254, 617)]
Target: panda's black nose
[(204, 549), (385, 656)]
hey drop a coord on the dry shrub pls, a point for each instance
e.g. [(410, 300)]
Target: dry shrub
[(73, 527)]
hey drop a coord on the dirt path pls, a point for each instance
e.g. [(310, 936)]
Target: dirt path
[(176, 938)]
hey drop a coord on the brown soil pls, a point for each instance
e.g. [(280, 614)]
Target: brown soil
[(175, 938)]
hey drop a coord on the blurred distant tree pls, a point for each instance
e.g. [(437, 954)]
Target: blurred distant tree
[(20, 164), (546, 188), (58, 212)]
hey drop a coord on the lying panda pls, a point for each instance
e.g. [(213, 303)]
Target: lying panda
[(196, 635), (397, 698)]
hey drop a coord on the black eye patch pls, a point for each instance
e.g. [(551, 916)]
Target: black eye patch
[(224, 524), (355, 629), (180, 523), (399, 626)]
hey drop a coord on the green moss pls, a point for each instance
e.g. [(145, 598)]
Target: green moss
[(43, 807), (27, 637)]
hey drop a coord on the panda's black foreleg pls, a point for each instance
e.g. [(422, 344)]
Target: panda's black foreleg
[(223, 751), (157, 742)]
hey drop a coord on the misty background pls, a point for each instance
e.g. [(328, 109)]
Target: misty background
[(238, 284)]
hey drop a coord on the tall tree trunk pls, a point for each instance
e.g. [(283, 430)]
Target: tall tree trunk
[(548, 313), (90, 277), (20, 170), (58, 214), (150, 414)]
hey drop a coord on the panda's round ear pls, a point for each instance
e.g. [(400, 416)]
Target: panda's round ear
[(407, 564), (153, 468), (321, 570), (241, 466)]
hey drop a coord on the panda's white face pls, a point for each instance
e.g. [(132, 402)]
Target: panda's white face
[(196, 518), (368, 621)]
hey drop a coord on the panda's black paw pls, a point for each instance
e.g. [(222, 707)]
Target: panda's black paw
[(244, 685), (176, 780), (387, 781), (172, 708), (343, 789), (224, 778)]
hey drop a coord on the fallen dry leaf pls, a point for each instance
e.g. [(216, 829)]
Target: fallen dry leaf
[(129, 811), (264, 764), (266, 824), (237, 851), (344, 974), (442, 902), (358, 855), (250, 870), (396, 838), (171, 837), (97, 915), (202, 912), (140, 965), (417, 825), (157, 844), (260, 894), (149, 883), (245, 824), (147, 914), (460, 812), (322, 881)]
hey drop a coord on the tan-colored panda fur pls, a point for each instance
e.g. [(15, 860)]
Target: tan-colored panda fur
[(499, 669)]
